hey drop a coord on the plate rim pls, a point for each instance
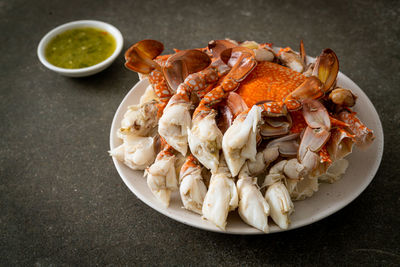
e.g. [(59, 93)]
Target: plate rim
[(321, 215)]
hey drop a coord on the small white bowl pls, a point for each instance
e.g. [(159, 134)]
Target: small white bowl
[(82, 72)]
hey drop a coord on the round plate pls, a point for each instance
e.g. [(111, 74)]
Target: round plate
[(329, 199)]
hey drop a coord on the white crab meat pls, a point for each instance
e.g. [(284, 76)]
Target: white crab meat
[(148, 95), (205, 140), (335, 171), (139, 120), (221, 197), (179, 161), (193, 190), (291, 169), (258, 166), (239, 142), (281, 205), (173, 126), (303, 188), (161, 178), (136, 152), (253, 208)]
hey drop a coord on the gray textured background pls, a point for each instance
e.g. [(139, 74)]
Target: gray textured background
[(63, 202)]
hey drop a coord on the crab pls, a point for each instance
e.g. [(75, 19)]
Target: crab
[(283, 111)]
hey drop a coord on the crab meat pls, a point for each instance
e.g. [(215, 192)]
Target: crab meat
[(301, 189), (173, 126), (161, 178), (281, 205), (139, 120), (239, 142), (335, 171), (148, 95), (253, 208), (136, 152), (221, 197), (192, 188), (205, 140), (258, 166), (291, 169)]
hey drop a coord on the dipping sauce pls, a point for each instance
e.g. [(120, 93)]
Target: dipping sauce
[(80, 48)]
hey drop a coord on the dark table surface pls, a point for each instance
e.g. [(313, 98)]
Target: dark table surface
[(63, 202)]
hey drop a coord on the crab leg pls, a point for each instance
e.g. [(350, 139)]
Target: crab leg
[(192, 188), (239, 142), (205, 139), (142, 58), (253, 208), (221, 197), (176, 120), (161, 176)]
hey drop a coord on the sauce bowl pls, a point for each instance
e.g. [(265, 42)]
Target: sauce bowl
[(81, 72)]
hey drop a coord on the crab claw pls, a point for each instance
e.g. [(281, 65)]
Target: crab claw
[(161, 178), (139, 57), (136, 152), (281, 205), (239, 142), (221, 197), (183, 63), (192, 188), (253, 208), (327, 68), (291, 169), (139, 119), (205, 140), (173, 125)]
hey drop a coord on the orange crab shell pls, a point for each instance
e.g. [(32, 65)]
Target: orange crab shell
[(269, 81)]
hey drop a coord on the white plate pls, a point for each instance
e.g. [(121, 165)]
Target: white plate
[(329, 199)]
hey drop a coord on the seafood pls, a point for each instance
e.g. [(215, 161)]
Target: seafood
[(239, 142), (136, 152), (280, 203), (235, 111), (161, 175), (192, 188), (253, 208), (205, 147), (221, 197)]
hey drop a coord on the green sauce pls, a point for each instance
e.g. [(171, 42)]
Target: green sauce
[(80, 48)]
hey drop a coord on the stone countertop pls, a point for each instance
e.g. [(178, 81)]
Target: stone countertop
[(62, 201)]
